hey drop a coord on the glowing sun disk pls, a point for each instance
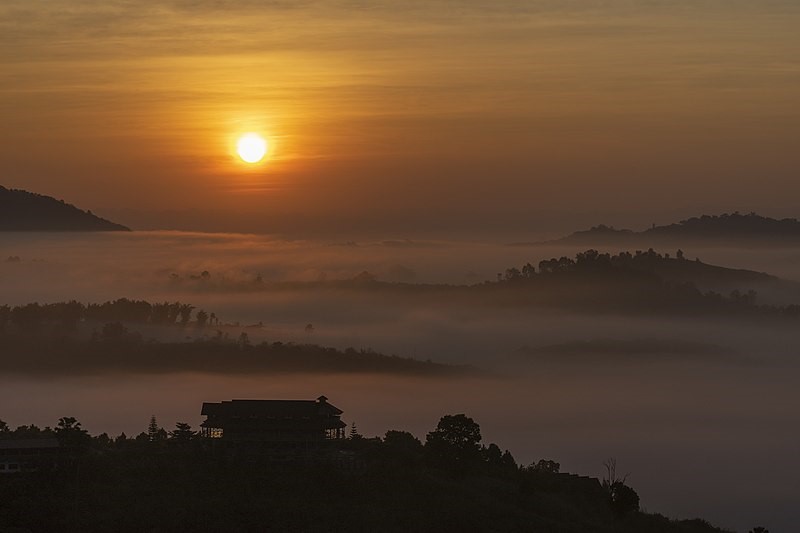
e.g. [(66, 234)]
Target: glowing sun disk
[(251, 147)]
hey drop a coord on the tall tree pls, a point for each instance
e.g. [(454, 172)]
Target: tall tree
[(202, 318), (185, 312), (154, 432), (182, 432), (455, 443), (70, 433)]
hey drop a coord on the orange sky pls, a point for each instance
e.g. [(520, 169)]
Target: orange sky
[(436, 116)]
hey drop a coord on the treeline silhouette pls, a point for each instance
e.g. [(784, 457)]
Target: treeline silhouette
[(67, 315), (749, 228), (627, 263), (640, 281), (177, 481), (731, 224), (114, 349), (591, 282)]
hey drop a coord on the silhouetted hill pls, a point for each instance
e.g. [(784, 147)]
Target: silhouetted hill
[(725, 228), (61, 356), (601, 233), (26, 211), (643, 281)]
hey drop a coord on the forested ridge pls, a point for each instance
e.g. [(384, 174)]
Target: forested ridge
[(591, 282), (728, 228), (177, 481)]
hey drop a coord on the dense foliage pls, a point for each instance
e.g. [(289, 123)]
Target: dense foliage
[(33, 317), (644, 281), (177, 481)]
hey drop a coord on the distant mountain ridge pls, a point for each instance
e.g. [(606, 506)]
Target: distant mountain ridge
[(26, 211), (720, 228)]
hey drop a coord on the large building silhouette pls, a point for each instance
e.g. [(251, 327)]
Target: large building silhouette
[(287, 424)]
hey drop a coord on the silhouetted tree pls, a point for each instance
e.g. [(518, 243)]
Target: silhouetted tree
[(182, 432), (152, 428), (498, 460), (492, 454), (173, 312), (154, 432), (610, 478), (202, 318), (4, 429), (185, 312), (70, 433), (624, 499), (103, 440), (32, 432), (759, 529), (508, 462), (528, 270), (403, 446), (455, 444)]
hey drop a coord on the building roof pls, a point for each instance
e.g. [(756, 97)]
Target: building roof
[(278, 409)]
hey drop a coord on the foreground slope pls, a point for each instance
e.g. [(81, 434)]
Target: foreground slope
[(175, 481)]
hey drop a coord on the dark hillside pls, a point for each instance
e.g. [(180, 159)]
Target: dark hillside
[(26, 211), (725, 229), (181, 481)]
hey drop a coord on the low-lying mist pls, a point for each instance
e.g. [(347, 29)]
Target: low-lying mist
[(700, 409), (100, 266)]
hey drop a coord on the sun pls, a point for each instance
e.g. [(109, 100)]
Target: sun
[(251, 147)]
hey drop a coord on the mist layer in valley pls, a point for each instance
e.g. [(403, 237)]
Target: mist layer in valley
[(698, 407)]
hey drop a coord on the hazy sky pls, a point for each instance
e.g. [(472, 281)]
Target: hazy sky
[(403, 117)]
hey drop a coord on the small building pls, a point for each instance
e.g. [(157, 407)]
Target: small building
[(28, 455), (273, 424)]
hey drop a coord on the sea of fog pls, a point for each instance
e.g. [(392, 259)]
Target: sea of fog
[(703, 432)]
